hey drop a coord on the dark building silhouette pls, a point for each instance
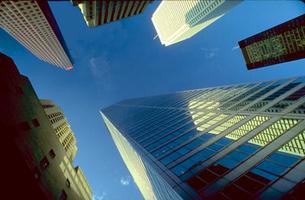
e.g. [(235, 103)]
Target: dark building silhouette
[(282, 43), (35, 164)]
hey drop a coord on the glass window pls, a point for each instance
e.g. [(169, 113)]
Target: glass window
[(156, 135), (282, 91), (150, 120), (234, 135), (298, 192), (243, 95), (235, 157), (247, 127), (205, 153), (280, 106), (154, 129), (227, 124), (52, 153), (255, 96), (44, 163), (268, 170), (175, 143), (269, 134), (187, 148), (268, 99), (299, 110), (158, 141), (35, 122)]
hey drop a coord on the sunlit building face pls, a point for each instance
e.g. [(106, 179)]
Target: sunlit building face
[(176, 21), (33, 25), (230, 142)]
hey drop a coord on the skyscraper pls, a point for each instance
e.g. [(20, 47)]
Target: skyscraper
[(35, 164), (33, 25), (102, 12), (176, 21), (230, 142), (282, 43), (61, 126)]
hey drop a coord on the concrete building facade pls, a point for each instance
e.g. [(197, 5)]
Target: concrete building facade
[(33, 25), (61, 126), (242, 141), (83, 182), (97, 13), (176, 21)]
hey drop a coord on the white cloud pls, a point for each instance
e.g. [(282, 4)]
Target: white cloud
[(125, 180), (100, 197), (99, 66), (210, 53), (235, 47)]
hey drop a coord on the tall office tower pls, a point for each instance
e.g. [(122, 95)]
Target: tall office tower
[(232, 142), (35, 164), (33, 25), (97, 13), (176, 20), (61, 126), (282, 43)]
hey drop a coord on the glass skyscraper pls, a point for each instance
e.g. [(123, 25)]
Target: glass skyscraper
[(231, 142)]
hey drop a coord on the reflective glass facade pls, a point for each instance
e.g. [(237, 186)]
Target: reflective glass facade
[(229, 142)]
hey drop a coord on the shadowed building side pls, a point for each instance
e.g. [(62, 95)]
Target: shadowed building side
[(36, 164), (98, 13)]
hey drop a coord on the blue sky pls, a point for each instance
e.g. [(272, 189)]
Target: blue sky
[(121, 60)]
